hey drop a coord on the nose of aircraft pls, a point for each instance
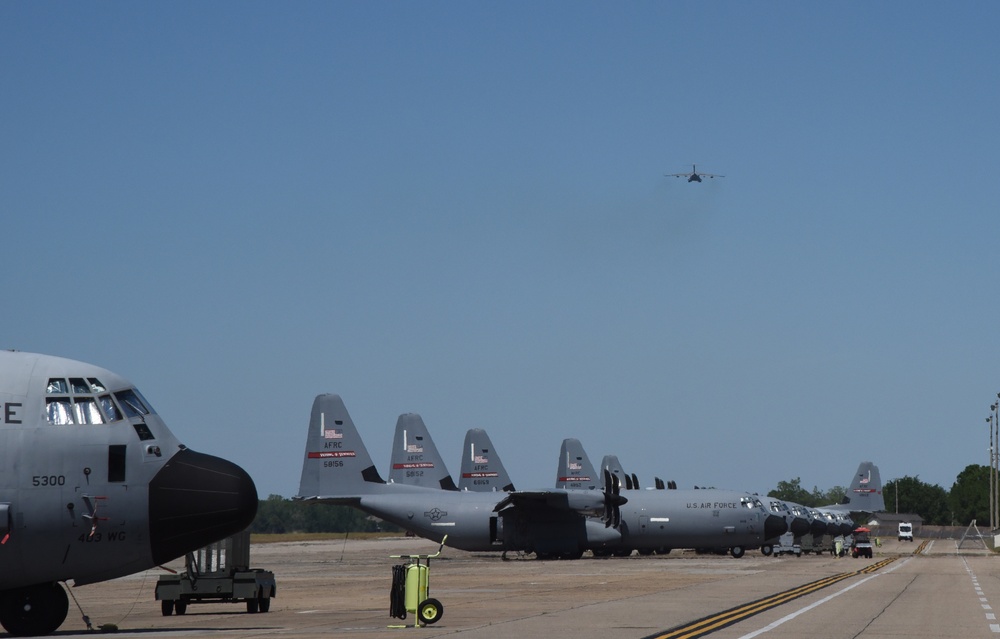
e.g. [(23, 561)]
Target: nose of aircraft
[(197, 499), (799, 526), (774, 526)]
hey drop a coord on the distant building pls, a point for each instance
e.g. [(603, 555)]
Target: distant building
[(887, 524)]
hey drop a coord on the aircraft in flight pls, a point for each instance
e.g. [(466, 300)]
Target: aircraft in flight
[(94, 486), (561, 522), (694, 175)]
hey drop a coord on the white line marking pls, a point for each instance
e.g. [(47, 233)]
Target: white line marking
[(795, 614)]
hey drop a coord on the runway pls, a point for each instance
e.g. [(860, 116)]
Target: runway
[(342, 588)]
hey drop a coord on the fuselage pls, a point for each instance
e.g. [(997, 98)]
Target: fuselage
[(668, 519), (93, 485)]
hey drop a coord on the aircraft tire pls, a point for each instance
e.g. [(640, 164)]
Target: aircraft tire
[(252, 605), (737, 551), (645, 552), (766, 550), (35, 610), (167, 607), (430, 610), (264, 603), (180, 606)]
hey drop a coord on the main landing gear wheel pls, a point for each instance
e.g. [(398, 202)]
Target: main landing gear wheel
[(736, 551), (430, 610), (35, 610), (766, 550), (167, 607)]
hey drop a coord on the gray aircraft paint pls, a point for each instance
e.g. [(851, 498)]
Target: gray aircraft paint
[(338, 469), (575, 470), (482, 470), (415, 459), (94, 486)]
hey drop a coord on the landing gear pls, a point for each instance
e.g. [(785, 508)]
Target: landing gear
[(35, 610), (737, 551), (766, 550)]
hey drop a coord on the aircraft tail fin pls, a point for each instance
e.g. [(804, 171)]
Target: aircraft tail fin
[(482, 470), (415, 459), (865, 492), (575, 469), (336, 465), (611, 464)]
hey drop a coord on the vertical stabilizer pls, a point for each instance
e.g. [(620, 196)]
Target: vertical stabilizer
[(336, 463), (865, 493), (482, 470), (575, 469), (611, 464), (415, 459)]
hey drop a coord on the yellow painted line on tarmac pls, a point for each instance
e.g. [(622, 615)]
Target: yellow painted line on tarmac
[(717, 621)]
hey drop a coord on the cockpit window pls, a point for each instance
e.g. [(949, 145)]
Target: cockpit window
[(109, 408), (57, 386), (131, 404), (85, 411), (85, 400), (59, 410)]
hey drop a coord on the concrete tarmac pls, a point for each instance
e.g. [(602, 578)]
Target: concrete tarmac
[(342, 588)]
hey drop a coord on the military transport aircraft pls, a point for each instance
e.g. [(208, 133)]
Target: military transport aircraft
[(694, 175), (337, 469), (93, 486), (864, 496)]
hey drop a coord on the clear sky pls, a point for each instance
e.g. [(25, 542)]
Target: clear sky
[(459, 209)]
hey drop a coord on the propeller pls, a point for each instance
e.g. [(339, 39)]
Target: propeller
[(635, 481), (612, 500)]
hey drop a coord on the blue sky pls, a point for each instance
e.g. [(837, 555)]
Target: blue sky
[(460, 210)]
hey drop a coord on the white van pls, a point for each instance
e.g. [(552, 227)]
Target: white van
[(905, 531)]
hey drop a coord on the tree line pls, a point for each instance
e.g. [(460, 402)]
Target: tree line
[(968, 499), (277, 515)]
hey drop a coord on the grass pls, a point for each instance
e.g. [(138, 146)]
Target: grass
[(298, 537)]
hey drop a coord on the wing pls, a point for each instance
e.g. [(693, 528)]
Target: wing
[(585, 502), (684, 175), (710, 175)]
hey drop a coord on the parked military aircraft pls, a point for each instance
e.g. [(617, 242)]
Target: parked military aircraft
[(694, 175), (337, 469), (94, 486), (556, 522), (864, 496)]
